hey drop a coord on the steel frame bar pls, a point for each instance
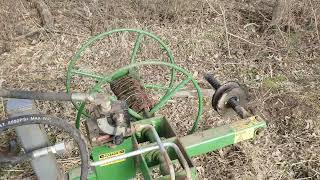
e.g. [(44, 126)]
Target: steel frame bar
[(216, 138)]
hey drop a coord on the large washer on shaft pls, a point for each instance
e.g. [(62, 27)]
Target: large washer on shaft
[(224, 93)]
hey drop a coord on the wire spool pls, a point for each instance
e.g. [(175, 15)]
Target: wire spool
[(130, 90)]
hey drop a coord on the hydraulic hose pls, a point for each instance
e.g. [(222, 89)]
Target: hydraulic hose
[(48, 96), (59, 123)]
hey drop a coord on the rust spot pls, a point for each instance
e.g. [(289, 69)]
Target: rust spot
[(130, 90)]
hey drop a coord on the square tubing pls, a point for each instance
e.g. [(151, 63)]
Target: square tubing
[(216, 138)]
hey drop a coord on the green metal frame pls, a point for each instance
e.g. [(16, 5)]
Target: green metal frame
[(191, 145), (71, 70), (104, 79)]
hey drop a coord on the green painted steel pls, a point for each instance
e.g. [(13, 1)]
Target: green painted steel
[(216, 138), (206, 141), (168, 96), (103, 79), (162, 103), (74, 174), (192, 145), (120, 170), (147, 174), (71, 71), (182, 175)]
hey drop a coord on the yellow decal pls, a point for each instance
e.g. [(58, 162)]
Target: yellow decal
[(244, 129), (112, 154)]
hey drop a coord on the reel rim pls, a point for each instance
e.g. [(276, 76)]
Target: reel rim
[(122, 71), (71, 70)]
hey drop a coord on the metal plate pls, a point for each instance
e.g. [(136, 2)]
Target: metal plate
[(224, 93)]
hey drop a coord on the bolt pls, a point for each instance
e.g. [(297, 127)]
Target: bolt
[(212, 81), (232, 102)]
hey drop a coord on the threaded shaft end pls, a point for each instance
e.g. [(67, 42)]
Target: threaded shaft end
[(233, 103), (212, 81)]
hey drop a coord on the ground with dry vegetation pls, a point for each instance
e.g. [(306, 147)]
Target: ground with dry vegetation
[(272, 48)]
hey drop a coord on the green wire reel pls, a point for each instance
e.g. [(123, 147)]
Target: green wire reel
[(104, 79)]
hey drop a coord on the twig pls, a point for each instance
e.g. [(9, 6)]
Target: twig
[(302, 162), (212, 8), (279, 11), (226, 29), (27, 35), (43, 30), (258, 45), (310, 177), (315, 20), (13, 170), (281, 34), (264, 17), (68, 33)]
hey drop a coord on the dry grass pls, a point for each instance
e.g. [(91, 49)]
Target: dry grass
[(280, 66)]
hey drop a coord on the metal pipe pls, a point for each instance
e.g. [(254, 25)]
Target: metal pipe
[(124, 156), (57, 148), (181, 157), (144, 150)]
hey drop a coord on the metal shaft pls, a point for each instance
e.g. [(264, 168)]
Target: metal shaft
[(232, 102), (212, 81), (144, 150)]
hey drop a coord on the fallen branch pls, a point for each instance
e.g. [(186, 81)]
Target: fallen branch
[(27, 35), (279, 11), (245, 40), (315, 20), (45, 14)]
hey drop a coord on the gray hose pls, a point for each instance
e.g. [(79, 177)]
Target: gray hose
[(48, 96), (59, 123)]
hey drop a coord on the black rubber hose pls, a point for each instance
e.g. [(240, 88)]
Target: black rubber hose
[(13, 160), (59, 123), (48, 96)]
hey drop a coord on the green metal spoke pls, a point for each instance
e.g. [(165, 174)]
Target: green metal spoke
[(79, 113), (155, 86), (87, 74), (168, 96), (135, 114), (136, 47)]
